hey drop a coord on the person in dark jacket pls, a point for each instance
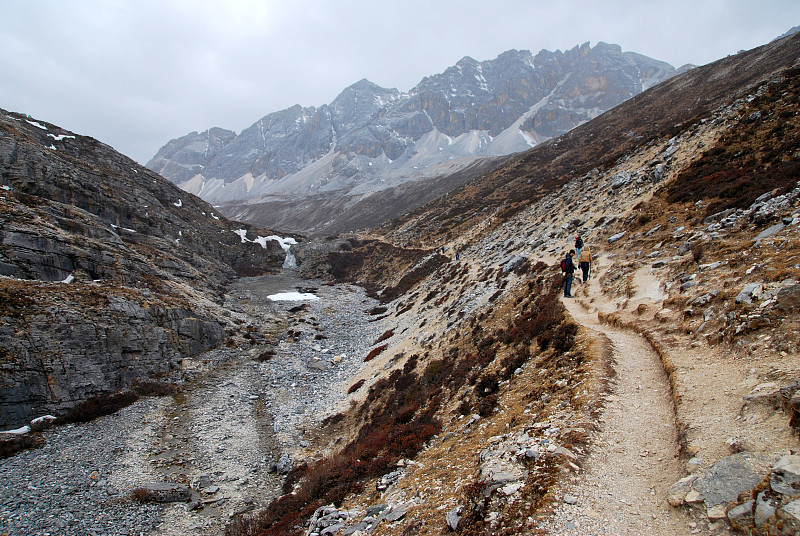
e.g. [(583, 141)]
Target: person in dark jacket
[(578, 247), (568, 267)]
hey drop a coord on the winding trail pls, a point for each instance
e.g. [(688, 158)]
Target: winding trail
[(634, 459)]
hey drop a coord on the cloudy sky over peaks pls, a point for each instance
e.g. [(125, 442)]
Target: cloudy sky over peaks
[(136, 73)]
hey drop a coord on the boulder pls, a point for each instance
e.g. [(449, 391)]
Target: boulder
[(725, 480), (741, 516), (785, 475), (788, 298), (514, 263), (766, 393), (453, 518), (749, 292), (285, 464), (677, 492), (616, 237), (620, 179), (764, 510), (165, 492), (770, 231), (789, 518), (397, 513)]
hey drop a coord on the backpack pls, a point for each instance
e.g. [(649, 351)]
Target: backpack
[(563, 265)]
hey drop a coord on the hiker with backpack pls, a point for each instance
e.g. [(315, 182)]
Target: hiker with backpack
[(584, 263), (578, 247), (568, 269)]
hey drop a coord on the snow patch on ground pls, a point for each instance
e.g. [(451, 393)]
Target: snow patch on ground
[(292, 296)]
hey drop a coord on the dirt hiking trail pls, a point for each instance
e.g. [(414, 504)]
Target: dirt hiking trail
[(623, 487)]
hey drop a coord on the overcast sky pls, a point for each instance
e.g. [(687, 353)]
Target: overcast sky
[(136, 73)]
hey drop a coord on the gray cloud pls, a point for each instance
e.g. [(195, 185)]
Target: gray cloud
[(137, 73)]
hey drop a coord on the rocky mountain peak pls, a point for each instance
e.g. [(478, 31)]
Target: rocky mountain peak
[(371, 138)]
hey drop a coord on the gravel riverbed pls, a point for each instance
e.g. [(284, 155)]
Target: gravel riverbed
[(223, 434)]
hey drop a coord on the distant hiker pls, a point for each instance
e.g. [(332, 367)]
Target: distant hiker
[(568, 268), (456, 255), (578, 247), (585, 260)]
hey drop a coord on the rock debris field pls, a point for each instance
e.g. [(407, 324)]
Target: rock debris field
[(242, 413)]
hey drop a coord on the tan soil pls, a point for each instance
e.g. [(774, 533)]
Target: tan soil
[(636, 455)]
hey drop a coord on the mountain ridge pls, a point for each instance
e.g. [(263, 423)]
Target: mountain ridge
[(369, 138)]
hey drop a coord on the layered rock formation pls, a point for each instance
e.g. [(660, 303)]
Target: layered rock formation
[(109, 272)]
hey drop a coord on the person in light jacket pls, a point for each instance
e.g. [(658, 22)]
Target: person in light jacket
[(585, 261)]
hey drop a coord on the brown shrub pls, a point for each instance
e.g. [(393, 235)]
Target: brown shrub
[(356, 386), (148, 387), (388, 334), (266, 355), (697, 252), (97, 406), (375, 352), (9, 446), (564, 337)]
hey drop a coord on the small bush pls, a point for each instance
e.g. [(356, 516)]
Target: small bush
[(356, 386), (564, 337), (697, 252), (17, 443), (97, 406), (148, 387), (266, 355), (388, 334), (375, 352), (330, 420), (486, 405)]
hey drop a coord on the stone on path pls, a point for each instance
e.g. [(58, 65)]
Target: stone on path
[(165, 492), (785, 476)]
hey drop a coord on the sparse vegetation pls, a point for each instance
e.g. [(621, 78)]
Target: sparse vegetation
[(375, 352), (98, 406), (9, 446)]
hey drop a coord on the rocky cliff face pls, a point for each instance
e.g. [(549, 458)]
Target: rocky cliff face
[(371, 138), (109, 272)]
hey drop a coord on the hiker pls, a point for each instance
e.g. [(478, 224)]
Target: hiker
[(584, 261), (568, 268), (578, 247)]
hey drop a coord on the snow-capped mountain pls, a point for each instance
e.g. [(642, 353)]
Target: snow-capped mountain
[(372, 138)]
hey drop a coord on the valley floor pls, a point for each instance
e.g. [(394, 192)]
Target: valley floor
[(223, 434)]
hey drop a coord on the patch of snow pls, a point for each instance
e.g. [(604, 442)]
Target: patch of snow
[(69, 279), (18, 431), (43, 419), (62, 137), (6, 188), (53, 147), (36, 124), (285, 243), (178, 203), (292, 296), (243, 235)]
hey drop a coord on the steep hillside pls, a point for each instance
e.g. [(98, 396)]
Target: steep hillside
[(370, 139), (110, 274), (496, 400), (463, 393)]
